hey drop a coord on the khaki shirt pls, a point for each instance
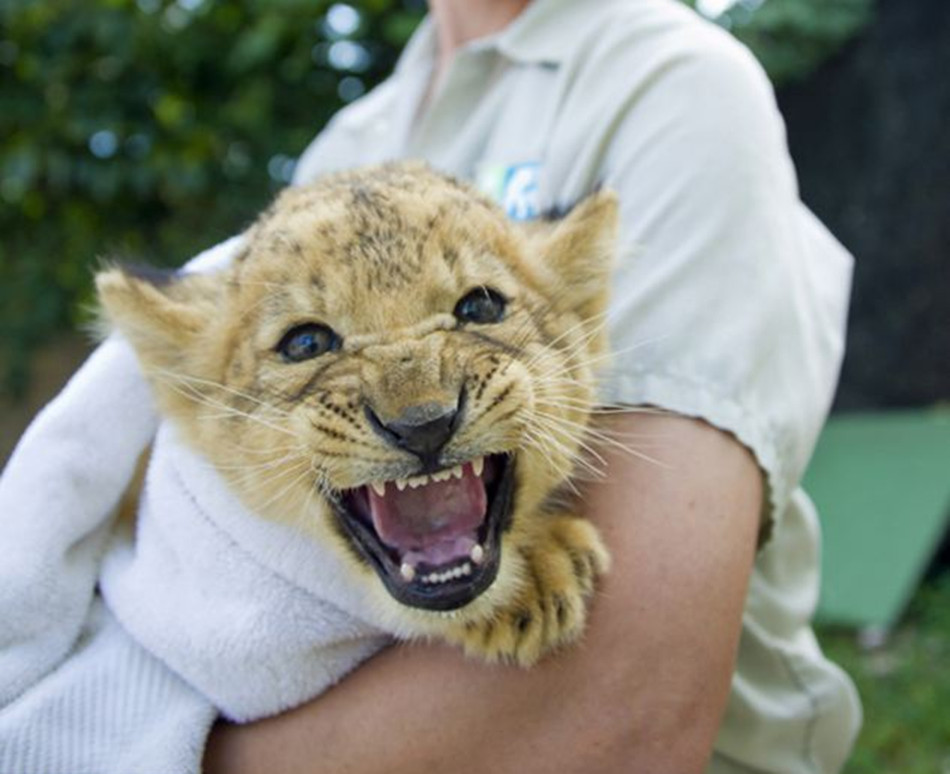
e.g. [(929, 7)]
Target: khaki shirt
[(729, 299)]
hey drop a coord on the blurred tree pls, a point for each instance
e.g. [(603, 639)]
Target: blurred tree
[(790, 37), (152, 128)]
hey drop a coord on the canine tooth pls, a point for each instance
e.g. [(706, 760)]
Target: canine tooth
[(478, 466), (379, 487), (477, 554), (400, 483), (457, 471), (408, 572)]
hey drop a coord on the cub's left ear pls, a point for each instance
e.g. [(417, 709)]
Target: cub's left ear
[(161, 314), (579, 249)]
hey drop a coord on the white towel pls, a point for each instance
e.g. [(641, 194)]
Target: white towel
[(253, 614), (210, 609)]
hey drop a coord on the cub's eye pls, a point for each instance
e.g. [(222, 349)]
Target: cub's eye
[(481, 305), (307, 341)]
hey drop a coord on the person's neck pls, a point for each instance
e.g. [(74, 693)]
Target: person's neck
[(459, 21)]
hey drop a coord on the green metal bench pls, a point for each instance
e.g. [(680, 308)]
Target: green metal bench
[(881, 482)]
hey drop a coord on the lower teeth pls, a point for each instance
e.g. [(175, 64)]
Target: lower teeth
[(442, 577)]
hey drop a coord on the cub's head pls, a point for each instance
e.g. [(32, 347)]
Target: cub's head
[(390, 364)]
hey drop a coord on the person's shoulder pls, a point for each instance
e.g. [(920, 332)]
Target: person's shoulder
[(664, 41), (373, 105), (676, 76), (354, 123), (657, 27)]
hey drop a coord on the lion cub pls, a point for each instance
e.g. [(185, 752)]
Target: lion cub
[(392, 367)]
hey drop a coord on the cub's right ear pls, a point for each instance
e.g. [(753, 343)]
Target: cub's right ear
[(161, 314), (579, 248)]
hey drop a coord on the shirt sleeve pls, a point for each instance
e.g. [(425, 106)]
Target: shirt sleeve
[(729, 298)]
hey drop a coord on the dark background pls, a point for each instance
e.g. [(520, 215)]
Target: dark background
[(870, 135)]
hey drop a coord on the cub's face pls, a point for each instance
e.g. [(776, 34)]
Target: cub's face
[(390, 365)]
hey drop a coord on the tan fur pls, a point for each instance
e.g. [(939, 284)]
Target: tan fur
[(382, 256)]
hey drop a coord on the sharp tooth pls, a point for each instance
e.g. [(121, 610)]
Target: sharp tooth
[(466, 569), (416, 481), (379, 487), (408, 572), (478, 466), (457, 471), (400, 484), (442, 475), (477, 554)]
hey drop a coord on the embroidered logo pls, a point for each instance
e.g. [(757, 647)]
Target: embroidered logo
[(514, 187)]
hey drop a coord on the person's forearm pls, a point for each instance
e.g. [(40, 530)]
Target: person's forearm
[(644, 691)]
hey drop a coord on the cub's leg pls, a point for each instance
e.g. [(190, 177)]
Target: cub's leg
[(558, 562)]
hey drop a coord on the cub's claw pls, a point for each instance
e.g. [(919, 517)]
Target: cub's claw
[(559, 566)]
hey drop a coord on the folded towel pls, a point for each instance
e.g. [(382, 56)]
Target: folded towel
[(252, 613)]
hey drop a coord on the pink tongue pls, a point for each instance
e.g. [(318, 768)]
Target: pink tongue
[(434, 524)]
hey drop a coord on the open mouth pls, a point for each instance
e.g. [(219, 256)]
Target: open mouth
[(434, 540)]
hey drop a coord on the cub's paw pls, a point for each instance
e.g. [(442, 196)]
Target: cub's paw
[(559, 566)]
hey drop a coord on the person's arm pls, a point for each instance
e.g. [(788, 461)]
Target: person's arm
[(644, 691)]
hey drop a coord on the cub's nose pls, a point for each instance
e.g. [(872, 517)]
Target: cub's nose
[(422, 430)]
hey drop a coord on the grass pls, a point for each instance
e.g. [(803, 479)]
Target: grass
[(905, 687)]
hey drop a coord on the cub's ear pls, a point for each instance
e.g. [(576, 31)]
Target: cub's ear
[(161, 314), (579, 250)]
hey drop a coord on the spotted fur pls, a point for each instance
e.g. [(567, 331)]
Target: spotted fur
[(382, 256)]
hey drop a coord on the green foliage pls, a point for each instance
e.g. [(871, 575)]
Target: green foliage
[(792, 38), (149, 129), (905, 689)]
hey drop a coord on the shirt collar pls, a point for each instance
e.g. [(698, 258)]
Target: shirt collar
[(544, 33)]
